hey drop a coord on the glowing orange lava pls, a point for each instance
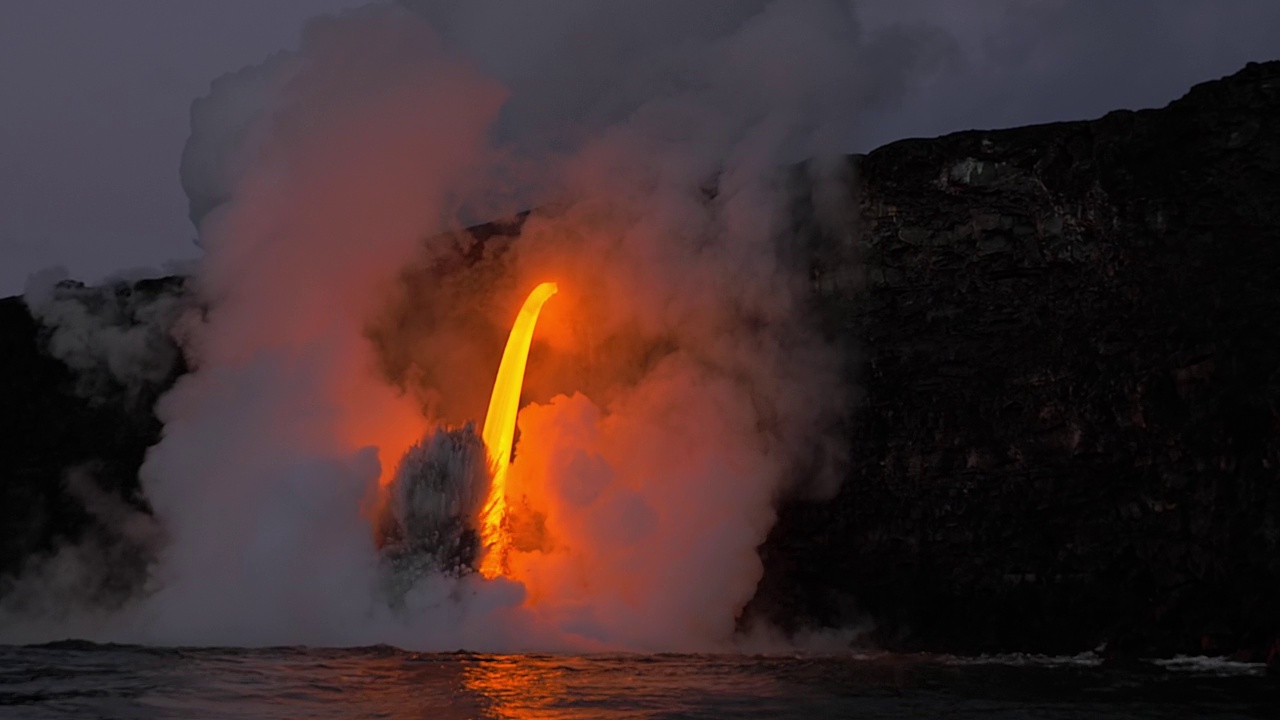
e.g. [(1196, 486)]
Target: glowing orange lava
[(500, 429)]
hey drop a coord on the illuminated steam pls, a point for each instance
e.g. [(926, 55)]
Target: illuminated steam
[(676, 388)]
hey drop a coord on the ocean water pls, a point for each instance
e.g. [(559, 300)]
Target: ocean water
[(81, 680)]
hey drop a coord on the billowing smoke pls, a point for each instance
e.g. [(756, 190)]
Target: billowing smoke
[(117, 337), (268, 473), (679, 384), (76, 587), (427, 523)]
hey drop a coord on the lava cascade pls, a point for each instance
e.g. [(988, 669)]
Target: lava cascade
[(500, 428)]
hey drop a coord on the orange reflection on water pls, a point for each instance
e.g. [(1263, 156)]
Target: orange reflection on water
[(516, 688)]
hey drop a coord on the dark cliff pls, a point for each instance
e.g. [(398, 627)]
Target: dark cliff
[(56, 422), (1071, 364), (1069, 424)]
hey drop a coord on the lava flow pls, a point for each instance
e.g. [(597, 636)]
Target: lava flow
[(500, 429)]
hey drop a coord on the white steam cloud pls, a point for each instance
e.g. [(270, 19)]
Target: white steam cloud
[(114, 336), (679, 383)]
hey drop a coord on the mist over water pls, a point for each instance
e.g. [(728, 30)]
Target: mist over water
[(677, 388)]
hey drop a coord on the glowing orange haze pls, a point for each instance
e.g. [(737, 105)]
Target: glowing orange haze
[(500, 430)]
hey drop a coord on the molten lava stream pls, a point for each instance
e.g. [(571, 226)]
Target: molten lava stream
[(500, 430)]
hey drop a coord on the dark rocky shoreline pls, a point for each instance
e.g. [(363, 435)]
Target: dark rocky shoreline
[(1069, 425)]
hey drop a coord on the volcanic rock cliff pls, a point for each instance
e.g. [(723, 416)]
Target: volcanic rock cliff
[(1068, 431), (74, 429)]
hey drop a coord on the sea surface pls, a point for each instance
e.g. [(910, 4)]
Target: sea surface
[(82, 680)]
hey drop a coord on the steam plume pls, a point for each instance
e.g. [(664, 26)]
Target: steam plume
[(678, 386), (117, 336)]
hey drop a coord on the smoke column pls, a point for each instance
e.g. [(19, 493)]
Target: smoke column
[(274, 445), (678, 385)]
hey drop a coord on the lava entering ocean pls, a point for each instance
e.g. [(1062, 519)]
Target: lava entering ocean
[(346, 323), (500, 429)]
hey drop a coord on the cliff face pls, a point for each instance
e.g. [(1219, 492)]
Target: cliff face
[(1069, 427), (95, 421)]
